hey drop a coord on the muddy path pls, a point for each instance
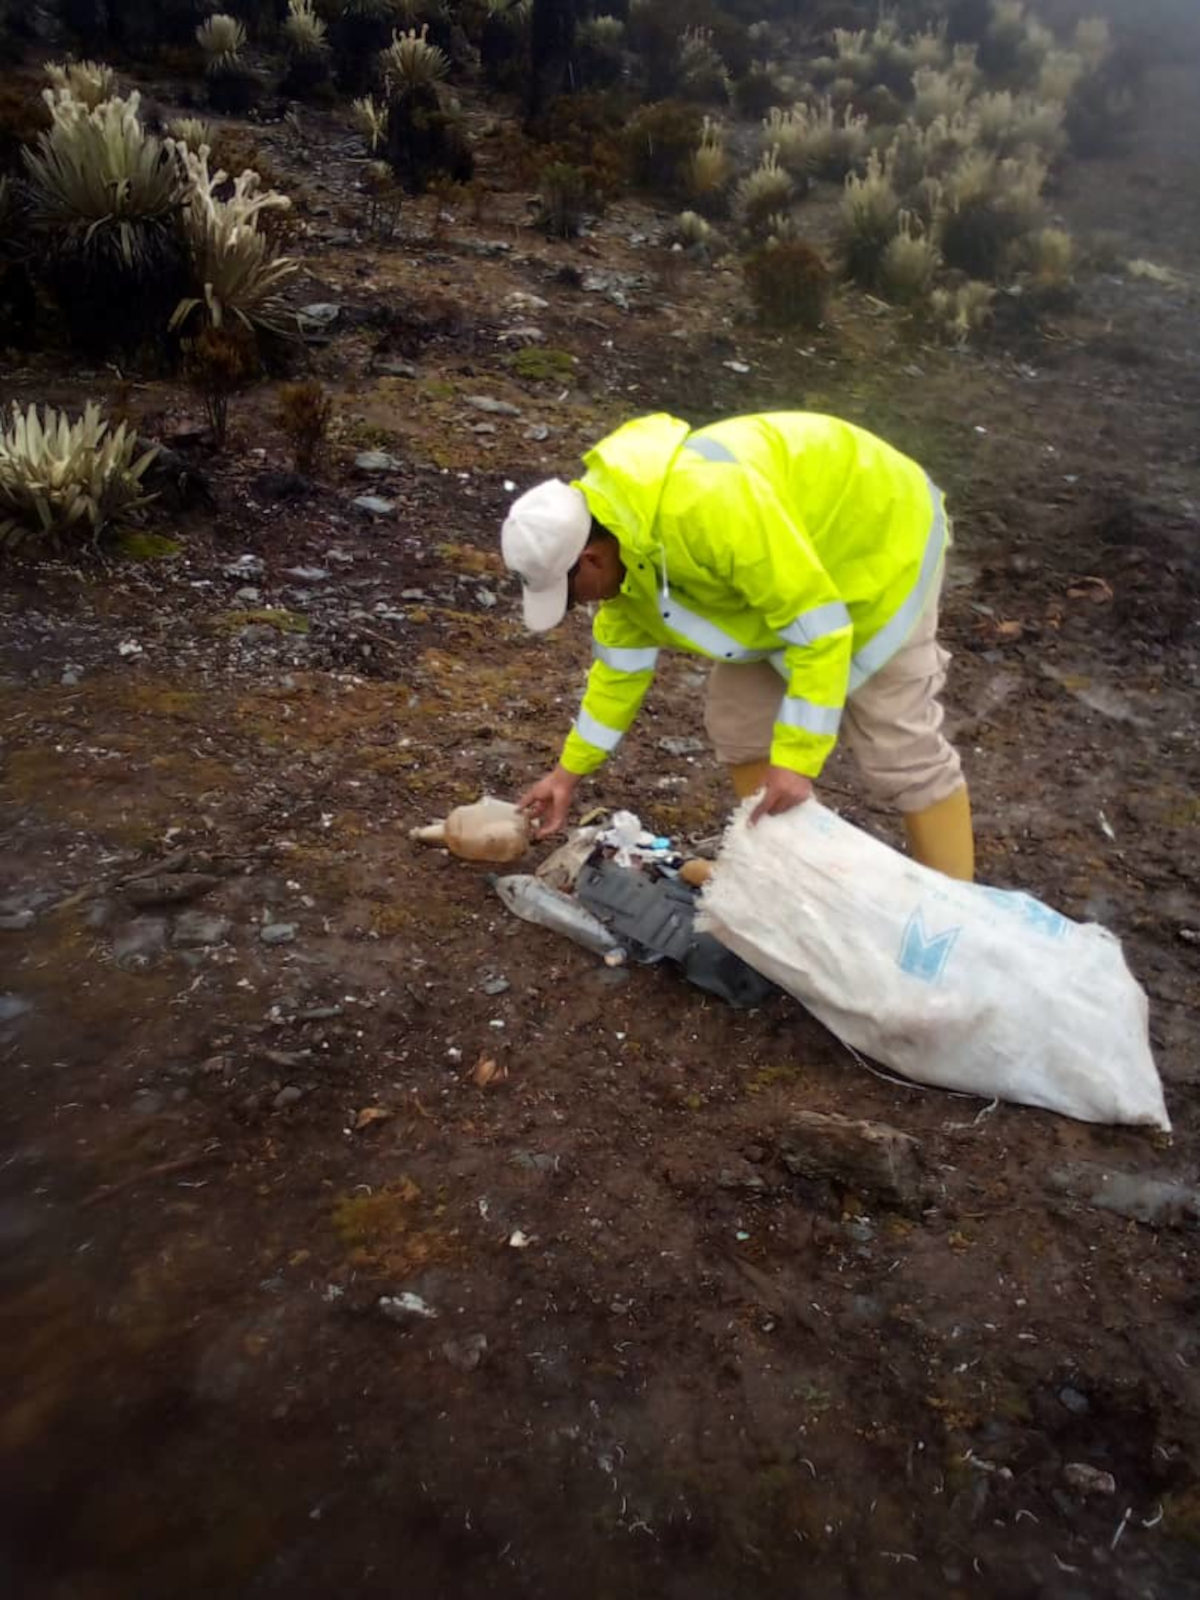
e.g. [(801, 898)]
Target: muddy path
[(267, 1328)]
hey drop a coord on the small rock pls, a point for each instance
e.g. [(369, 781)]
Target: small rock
[(168, 888), (321, 314), (339, 558), (137, 944), (12, 1007), (278, 933), (682, 747), (129, 649), (147, 1103), (495, 986), (283, 485), (869, 1157), (522, 300), (1088, 1480), (538, 433), (413, 594), (466, 1354), (534, 1161), (17, 922), (486, 598), (307, 574), (524, 335), (1151, 1200), (494, 408), (287, 1096), (194, 930), (70, 677), (249, 596), (396, 369), (375, 461), (374, 505), (482, 427), (399, 1307), (246, 566), (1077, 1404)]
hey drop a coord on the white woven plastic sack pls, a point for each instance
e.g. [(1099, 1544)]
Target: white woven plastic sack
[(952, 984)]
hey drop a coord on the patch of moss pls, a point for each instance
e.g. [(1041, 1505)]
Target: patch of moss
[(542, 364), (436, 389), (138, 545), (266, 616), (378, 1230)]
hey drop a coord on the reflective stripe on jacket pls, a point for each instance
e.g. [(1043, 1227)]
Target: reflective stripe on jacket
[(788, 536)]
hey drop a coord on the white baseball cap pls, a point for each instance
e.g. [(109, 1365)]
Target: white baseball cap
[(542, 538)]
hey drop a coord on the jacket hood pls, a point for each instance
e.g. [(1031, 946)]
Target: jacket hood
[(625, 474)]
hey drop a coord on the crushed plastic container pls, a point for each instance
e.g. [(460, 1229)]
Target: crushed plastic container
[(489, 830)]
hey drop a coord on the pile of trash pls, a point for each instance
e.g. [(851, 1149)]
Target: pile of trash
[(614, 888), (957, 985)]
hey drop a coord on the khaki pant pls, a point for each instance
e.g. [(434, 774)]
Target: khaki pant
[(892, 723)]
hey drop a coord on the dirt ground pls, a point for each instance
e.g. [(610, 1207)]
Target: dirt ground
[(700, 1376)]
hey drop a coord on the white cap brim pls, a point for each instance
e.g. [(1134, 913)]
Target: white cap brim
[(545, 608)]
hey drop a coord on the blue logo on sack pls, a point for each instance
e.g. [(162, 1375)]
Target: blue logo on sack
[(1038, 917), (923, 957)]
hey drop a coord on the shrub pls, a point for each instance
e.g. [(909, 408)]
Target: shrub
[(937, 94), (990, 204), (1093, 40), (89, 82), (426, 143), (231, 86), (370, 119), (222, 39), (788, 282), (564, 198), (218, 363), (62, 479), (702, 74), (599, 51), (359, 33), (584, 130), (909, 262), (410, 62), (504, 43), (764, 191), (383, 200), (305, 412), (708, 169), (193, 132), (870, 216), (236, 271), (660, 141), (1050, 256), (306, 41), (105, 196), (756, 92), (817, 140), (691, 229), (959, 313), (1060, 71)]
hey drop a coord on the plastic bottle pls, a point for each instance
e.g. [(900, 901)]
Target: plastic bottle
[(535, 901), (489, 830)]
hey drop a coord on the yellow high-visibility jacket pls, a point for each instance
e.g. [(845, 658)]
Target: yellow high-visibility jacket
[(789, 537)]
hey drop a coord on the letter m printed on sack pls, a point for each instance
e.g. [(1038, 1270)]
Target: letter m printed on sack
[(924, 956)]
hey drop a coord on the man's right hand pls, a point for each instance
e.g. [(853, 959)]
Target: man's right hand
[(549, 801)]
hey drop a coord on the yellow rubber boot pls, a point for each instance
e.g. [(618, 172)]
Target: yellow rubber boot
[(748, 777), (941, 836)]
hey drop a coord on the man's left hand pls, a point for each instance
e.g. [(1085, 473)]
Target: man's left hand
[(782, 790)]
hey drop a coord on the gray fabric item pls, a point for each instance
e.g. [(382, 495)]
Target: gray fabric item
[(654, 919)]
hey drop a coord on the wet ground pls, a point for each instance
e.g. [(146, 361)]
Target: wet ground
[(266, 1328)]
